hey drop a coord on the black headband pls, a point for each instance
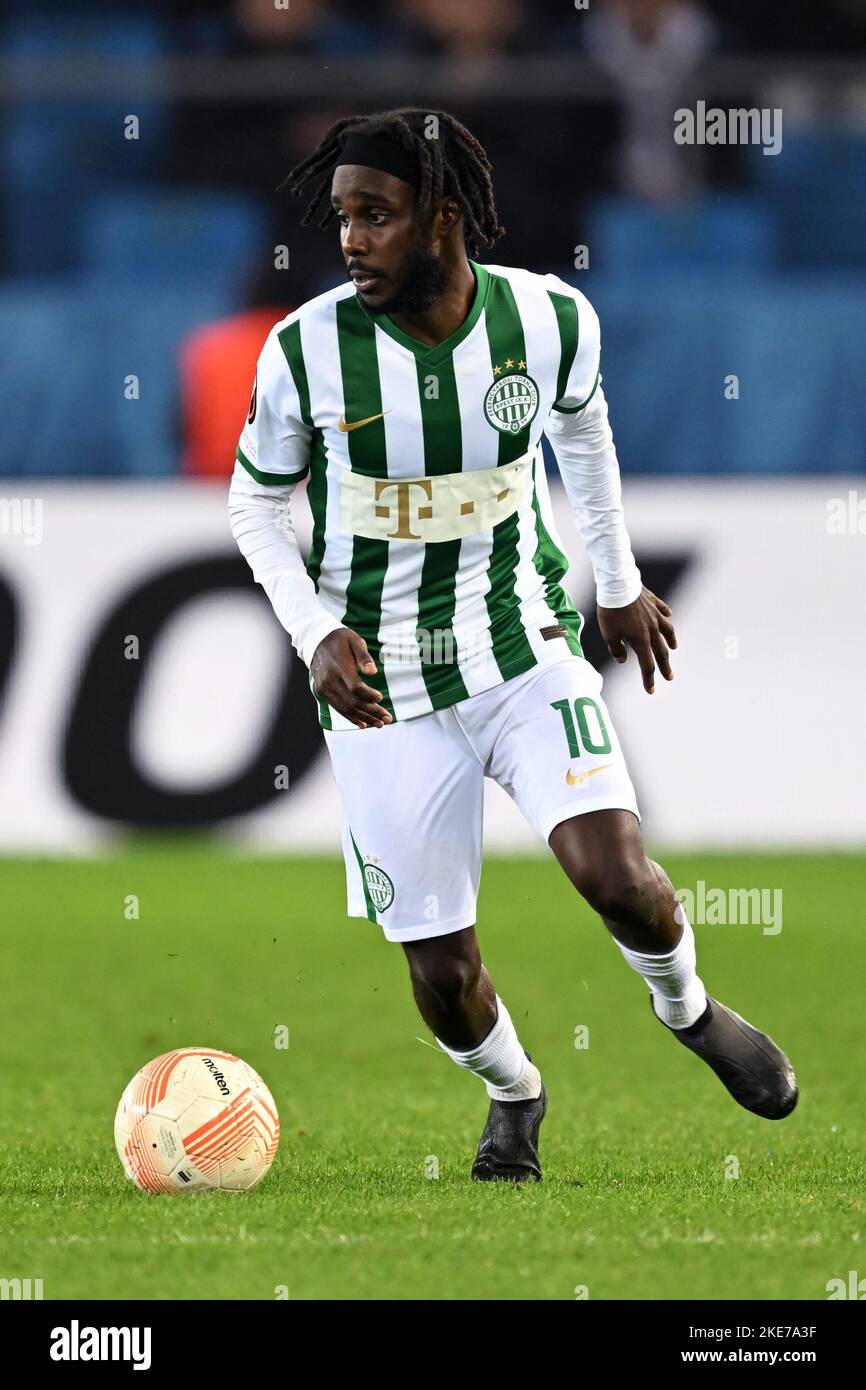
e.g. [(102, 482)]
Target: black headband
[(381, 152)]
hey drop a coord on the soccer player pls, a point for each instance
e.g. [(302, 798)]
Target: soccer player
[(432, 610)]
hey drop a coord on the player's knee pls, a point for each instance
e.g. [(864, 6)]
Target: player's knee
[(449, 979), (621, 889)]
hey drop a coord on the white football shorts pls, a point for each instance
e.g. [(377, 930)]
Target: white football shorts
[(412, 791)]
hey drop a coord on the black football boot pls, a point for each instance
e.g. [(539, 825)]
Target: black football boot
[(756, 1072), (508, 1149)]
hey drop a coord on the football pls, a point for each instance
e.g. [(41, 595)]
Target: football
[(196, 1118)]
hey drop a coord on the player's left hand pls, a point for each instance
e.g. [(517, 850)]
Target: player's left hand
[(646, 627)]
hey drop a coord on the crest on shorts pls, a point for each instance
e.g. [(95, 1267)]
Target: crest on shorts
[(379, 886), (511, 401)]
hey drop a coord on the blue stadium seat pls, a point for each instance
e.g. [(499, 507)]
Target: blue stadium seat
[(670, 344), (713, 232), (819, 160), (816, 187), (54, 152), (62, 389), (163, 236), (817, 234)]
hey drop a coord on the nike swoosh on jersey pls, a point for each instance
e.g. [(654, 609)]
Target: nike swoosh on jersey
[(343, 424), (573, 778)]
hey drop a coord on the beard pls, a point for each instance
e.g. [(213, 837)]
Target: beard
[(423, 279)]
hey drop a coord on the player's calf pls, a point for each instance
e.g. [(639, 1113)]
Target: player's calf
[(603, 855), (602, 852), (453, 992), (456, 999)]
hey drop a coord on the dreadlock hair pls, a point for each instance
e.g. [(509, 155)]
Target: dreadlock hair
[(454, 165)]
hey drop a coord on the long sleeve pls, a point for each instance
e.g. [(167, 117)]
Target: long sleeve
[(261, 523), (272, 457), (583, 445), (580, 436)]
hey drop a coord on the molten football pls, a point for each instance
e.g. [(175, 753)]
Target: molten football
[(196, 1118)]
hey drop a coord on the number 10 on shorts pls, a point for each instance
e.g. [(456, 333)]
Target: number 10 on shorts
[(584, 724)]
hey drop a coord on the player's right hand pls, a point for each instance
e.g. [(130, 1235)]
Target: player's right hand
[(336, 668)]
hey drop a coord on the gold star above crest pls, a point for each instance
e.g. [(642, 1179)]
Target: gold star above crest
[(521, 365), (508, 362), (497, 371)]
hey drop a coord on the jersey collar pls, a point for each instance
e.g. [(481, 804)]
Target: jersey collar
[(431, 353)]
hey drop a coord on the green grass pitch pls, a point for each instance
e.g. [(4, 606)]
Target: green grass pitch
[(635, 1202)]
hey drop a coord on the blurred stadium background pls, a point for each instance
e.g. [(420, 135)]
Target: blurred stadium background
[(141, 146), (150, 706)]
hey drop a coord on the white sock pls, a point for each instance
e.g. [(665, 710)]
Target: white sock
[(500, 1061), (679, 997)]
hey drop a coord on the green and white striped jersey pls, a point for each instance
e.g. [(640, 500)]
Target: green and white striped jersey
[(432, 528)]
